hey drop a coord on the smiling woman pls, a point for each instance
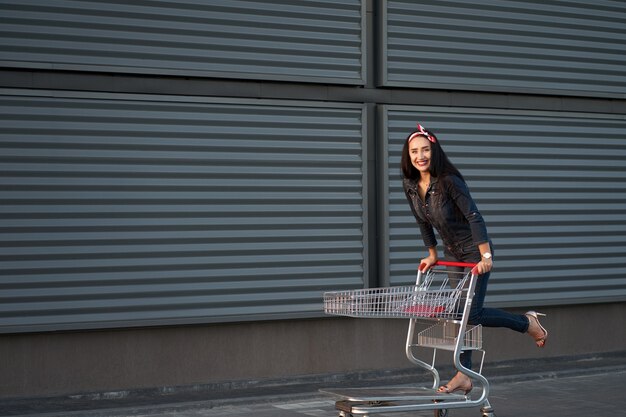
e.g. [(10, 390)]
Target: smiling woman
[(440, 199)]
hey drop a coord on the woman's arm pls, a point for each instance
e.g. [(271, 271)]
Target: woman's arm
[(462, 198), (486, 263), (429, 261)]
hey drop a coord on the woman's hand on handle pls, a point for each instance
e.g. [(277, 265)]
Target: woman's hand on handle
[(484, 266), (430, 260), (486, 261), (427, 263)]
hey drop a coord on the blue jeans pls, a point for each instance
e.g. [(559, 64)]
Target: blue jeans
[(489, 317)]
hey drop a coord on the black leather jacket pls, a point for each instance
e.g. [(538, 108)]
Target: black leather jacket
[(449, 208)]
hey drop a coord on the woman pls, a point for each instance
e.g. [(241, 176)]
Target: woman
[(440, 199)]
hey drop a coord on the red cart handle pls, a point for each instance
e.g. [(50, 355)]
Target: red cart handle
[(449, 263)]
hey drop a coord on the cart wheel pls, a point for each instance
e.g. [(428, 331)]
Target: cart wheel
[(487, 412)]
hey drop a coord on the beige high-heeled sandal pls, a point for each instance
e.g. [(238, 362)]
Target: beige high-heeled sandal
[(446, 390), (540, 341), (465, 389)]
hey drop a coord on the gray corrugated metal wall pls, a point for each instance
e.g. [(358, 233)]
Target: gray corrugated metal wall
[(262, 39), (122, 210), (552, 189), (160, 210), (574, 47)]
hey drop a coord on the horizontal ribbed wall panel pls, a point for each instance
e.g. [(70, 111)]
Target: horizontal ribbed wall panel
[(555, 47), (135, 211), (318, 41), (551, 187)]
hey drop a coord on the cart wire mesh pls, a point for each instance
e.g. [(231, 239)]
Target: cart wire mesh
[(443, 336), (440, 294)]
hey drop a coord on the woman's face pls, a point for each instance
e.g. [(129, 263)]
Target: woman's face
[(420, 153)]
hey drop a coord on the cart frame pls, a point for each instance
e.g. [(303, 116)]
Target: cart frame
[(448, 331)]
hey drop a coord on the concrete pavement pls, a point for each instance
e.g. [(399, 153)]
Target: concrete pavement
[(581, 387)]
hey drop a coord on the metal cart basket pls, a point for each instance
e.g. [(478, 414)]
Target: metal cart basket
[(437, 307)]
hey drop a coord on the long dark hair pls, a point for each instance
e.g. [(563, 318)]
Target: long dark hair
[(440, 165)]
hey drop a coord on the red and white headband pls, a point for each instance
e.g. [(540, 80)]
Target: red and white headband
[(422, 132)]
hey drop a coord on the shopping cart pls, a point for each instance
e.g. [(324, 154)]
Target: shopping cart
[(438, 307)]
